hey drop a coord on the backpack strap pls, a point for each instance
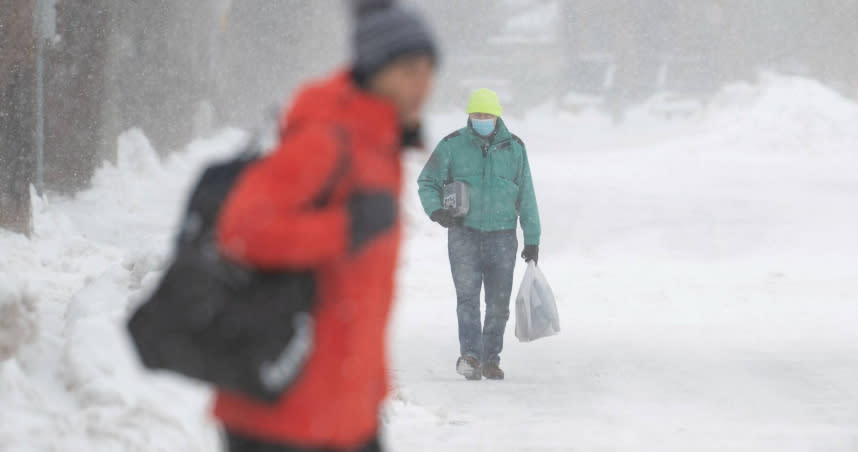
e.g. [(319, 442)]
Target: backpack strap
[(341, 171)]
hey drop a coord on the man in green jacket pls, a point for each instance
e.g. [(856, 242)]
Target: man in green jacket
[(482, 244)]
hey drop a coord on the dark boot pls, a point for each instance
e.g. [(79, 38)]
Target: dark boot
[(492, 372), (469, 367)]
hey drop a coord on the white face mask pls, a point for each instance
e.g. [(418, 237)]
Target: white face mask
[(484, 127)]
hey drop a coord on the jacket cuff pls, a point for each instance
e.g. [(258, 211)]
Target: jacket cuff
[(531, 240)]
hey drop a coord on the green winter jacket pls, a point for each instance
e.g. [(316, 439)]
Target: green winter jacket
[(497, 173)]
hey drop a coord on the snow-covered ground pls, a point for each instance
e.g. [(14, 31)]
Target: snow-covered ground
[(77, 386), (706, 274)]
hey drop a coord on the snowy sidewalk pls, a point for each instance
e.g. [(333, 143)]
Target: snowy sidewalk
[(707, 283)]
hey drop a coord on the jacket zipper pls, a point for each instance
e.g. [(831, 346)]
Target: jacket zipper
[(485, 148)]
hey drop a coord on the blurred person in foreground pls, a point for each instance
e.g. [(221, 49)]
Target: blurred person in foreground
[(482, 244), (344, 134)]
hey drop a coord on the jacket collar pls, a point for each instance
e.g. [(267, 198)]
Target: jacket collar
[(339, 100), (500, 134)]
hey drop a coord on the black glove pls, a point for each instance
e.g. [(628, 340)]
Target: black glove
[(371, 214), (530, 253), (445, 218)]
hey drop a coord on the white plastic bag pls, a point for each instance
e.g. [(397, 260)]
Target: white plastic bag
[(535, 309)]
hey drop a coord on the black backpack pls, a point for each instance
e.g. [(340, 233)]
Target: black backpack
[(240, 329)]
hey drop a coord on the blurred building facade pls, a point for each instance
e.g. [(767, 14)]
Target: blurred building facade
[(174, 69), (17, 114), (623, 51), (177, 69)]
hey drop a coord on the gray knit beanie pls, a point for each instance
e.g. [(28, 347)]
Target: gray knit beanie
[(384, 32)]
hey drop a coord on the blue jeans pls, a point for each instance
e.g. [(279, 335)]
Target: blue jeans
[(478, 258)]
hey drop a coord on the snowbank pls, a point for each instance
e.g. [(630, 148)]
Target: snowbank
[(784, 114), (17, 322), (70, 380)]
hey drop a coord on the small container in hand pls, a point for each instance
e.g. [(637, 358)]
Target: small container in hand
[(456, 198)]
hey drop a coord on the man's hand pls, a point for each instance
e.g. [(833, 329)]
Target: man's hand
[(445, 218), (531, 253)]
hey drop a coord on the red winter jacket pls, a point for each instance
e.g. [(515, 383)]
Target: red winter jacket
[(269, 222)]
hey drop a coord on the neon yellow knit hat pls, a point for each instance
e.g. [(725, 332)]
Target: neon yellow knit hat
[(484, 101)]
